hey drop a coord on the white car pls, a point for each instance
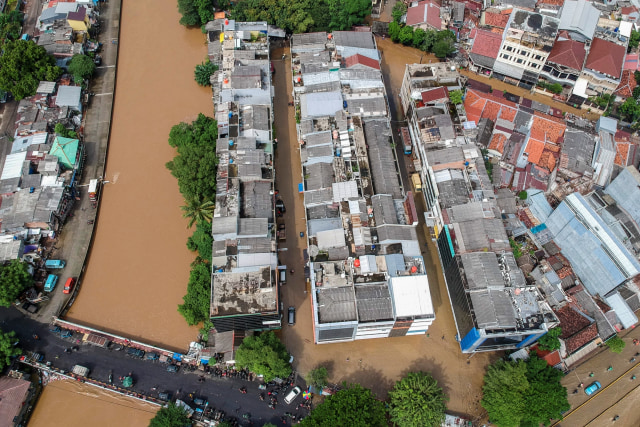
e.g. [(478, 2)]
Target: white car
[(291, 396)]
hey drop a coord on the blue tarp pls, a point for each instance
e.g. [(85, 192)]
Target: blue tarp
[(301, 188), (177, 356)]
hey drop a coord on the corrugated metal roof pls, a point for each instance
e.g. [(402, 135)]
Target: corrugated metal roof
[(13, 165), (624, 313), (411, 296), (68, 96)]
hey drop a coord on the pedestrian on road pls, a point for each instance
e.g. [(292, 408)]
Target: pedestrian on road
[(443, 337)]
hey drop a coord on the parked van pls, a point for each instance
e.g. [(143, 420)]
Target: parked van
[(283, 277), (54, 264), (292, 316), (50, 284)]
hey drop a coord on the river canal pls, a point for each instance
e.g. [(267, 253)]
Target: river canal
[(139, 264)]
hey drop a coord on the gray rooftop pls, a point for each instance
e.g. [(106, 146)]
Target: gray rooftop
[(68, 96), (253, 227), (482, 234), (452, 187), (625, 190), (577, 151), (579, 17), (363, 40), (384, 210), (381, 159), (545, 27), (320, 104), (308, 39), (248, 292), (257, 202), (256, 117), (320, 175), (336, 304), (318, 138), (373, 302)]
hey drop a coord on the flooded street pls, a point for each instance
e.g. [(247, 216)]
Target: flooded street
[(75, 404), (139, 264)]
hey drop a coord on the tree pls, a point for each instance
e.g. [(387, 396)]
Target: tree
[(14, 278), (8, 348), (201, 240), (456, 97), (429, 40), (264, 354), (354, 406), (198, 211), (394, 31), (634, 40), (197, 301), (82, 67), (317, 377), (546, 398), (555, 88), (443, 48), (61, 130), (204, 72), (23, 65), (347, 13), (419, 37), (170, 416), (616, 344), (505, 385), (398, 11), (550, 341), (630, 109), (417, 400), (519, 393), (195, 165), (10, 25), (406, 35), (195, 12)]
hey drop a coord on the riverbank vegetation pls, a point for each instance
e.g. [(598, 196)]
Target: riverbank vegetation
[(204, 71), (195, 167), (8, 348), (14, 279), (23, 65), (304, 15), (264, 354), (196, 13), (523, 393)]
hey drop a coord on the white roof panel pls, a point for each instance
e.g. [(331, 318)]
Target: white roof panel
[(13, 165), (411, 296)]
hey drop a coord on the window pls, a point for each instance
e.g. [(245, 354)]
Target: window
[(538, 57), (508, 48), (547, 68), (519, 61), (505, 56), (524, 53)]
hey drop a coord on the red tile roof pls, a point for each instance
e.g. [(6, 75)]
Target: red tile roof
[(606, 57), (361, 60), (628, 10), (569, 53), (425, 12), (627, 84), (480, 104), (534, 149), (547, 128), (13, 393), (497, 142), (551, 357), (550, 2), (496, 20), (622, 153), (547, 159), (487, 43), (435, 94)]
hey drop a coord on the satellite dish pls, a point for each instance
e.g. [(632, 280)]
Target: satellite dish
[(313, 250)]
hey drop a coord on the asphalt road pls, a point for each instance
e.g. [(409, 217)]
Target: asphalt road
[(222, 393)]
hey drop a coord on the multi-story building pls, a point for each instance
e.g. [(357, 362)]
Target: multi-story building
[(366, 271), (526, 44), (244, 285)]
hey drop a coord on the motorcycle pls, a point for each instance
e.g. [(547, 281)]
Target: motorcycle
[(111, 377)]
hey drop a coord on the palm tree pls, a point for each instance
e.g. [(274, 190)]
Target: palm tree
[(198, 211)]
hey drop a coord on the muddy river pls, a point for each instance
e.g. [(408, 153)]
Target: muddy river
[(75, 404), (139, 264)]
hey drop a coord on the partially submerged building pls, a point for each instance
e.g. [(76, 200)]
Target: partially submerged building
[(366, 272)]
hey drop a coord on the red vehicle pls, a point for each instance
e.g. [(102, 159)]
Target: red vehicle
[(68, 286)]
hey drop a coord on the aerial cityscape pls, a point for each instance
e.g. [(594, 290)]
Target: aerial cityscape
[(328, 213)]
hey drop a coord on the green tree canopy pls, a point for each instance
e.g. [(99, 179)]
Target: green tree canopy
[(630, 109), (523, 393), (196, 13), (417, 401), (394, 31), (198, 211), (265, 355), (201, 240), (347, 13), (354, 406), (23, 65), (634, 40), (317, 377), (7, 348), (443, 48), (82, 67), (10, 25), (549, 341), (456, 97), (14, 278), (170, 416), (197, 301), (616, 344), (406, 35), (204, 72), (399, 9), (195, 165), (61, 130)]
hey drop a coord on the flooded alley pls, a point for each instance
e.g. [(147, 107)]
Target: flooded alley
[(139, 264)]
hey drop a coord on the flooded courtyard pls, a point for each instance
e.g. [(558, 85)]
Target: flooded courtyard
[(139, 264)]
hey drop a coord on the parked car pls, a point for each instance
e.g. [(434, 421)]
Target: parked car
[(50, 284), (172, 368), (69, 284), (291, 396), (595, 386), (280, 207), (153, 356), (135, 352), (292, 316)]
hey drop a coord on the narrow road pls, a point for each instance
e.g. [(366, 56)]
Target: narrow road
[(150, 378)]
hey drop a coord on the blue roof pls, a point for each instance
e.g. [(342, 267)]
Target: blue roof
[(538, 204), (625, 190)]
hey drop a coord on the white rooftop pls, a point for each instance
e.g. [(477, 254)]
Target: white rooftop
[(13, 165), (411, 296)]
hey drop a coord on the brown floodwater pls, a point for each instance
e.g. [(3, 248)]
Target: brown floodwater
[(73, 404), (139, 263)]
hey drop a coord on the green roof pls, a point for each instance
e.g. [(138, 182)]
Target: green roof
[(66, 150)]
